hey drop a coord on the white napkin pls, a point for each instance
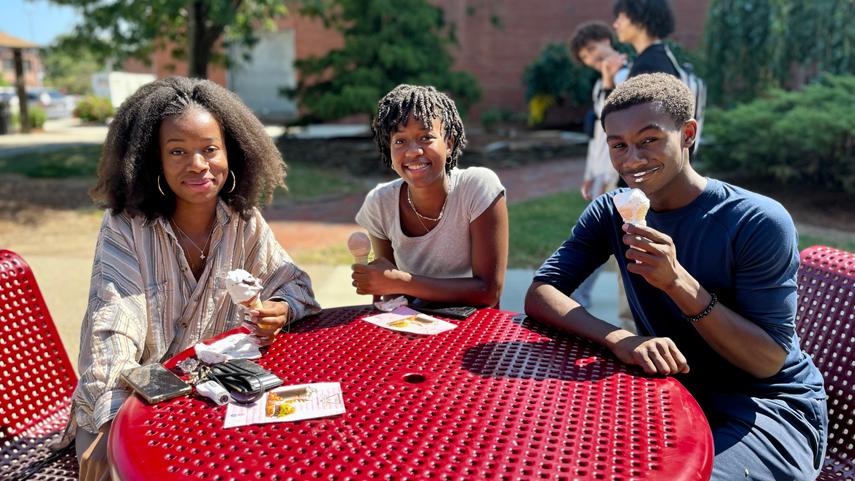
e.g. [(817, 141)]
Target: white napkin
[(391, 304), (236, 346)]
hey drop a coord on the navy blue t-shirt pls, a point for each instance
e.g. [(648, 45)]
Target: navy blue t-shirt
[(740, 245)]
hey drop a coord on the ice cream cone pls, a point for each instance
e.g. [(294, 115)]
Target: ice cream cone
[(632, 206), (359, 246), (254, 303), (244, 288)]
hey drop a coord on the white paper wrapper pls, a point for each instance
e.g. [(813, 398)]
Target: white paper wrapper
[(404, 319), (391, 304), (236, 346)]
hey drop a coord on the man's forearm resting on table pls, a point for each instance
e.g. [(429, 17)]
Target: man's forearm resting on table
[(550, 306)]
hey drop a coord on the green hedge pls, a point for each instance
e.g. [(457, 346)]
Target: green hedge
[(37, 117), (94, 109), (805, 137)]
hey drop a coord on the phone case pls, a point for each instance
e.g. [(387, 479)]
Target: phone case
[(453, 312), (155, 383)]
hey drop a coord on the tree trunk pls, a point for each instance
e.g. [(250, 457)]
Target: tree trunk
[(23, 104), (197, 53), (202, 35)]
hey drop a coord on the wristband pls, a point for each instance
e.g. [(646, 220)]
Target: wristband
[(705, 312)]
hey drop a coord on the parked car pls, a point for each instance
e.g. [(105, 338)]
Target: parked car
[(55, 104)]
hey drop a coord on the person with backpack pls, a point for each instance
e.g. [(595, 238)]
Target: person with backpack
[(644, 24)]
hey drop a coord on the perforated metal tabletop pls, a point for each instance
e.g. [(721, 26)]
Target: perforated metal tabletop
[(496, 398)]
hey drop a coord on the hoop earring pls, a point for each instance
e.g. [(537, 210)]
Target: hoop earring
[(234, 182), (158, 186)]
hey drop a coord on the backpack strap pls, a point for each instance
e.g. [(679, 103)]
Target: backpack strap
[(684, 76)]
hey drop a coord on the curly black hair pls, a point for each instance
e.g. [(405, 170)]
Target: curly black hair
[(130, 159), (667, 90), (424, 103), (586, 33), (655, 16)]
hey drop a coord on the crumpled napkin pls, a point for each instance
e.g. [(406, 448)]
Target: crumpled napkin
[(236, 346), (391, 304)]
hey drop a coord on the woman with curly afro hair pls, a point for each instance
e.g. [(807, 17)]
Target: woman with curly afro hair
[(182, 173), (440, 233), (644, 24)]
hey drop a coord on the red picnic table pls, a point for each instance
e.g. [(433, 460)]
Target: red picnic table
[(499, 397)]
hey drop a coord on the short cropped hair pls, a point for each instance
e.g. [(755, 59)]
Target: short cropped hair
[(667, 90), (586, 33), (130, 159), (424, 103), (655, 16)]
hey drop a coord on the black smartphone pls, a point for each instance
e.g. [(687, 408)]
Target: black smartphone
[(155, 383), (442, 310)]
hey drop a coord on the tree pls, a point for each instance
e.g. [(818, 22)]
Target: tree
[(69, 67), (754, 45), (386, 43), (192, 29)]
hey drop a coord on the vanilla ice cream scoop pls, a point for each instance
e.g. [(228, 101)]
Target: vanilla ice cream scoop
[(359, 246), (244, 288), (632, 206)]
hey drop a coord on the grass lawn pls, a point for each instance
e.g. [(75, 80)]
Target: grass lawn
[(305, 181), (76, 161), (538, 227)]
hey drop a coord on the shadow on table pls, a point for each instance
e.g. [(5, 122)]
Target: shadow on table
[(566, 359), (25, 457), (331, 318)]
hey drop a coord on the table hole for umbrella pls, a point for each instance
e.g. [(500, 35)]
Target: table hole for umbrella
[(414, 378)]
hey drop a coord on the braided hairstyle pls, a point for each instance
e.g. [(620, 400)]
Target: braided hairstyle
[(130, 160), (424, 103)]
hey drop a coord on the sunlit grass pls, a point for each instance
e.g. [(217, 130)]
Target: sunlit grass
[(539, 226)]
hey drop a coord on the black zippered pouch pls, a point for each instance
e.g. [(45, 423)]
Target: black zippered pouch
[(245, 380)]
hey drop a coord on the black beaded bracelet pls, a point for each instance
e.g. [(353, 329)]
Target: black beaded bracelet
[(705, 312)]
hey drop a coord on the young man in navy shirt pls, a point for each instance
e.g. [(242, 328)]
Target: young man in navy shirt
[(711, 281)]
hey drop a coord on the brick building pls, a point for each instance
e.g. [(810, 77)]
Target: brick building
[(33, 69), (496, 55)]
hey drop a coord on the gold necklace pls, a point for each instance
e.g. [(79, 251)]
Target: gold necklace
[(202, 249), (420, 216)]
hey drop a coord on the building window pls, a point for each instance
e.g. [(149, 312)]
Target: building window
[(9, 64), (27, 66)]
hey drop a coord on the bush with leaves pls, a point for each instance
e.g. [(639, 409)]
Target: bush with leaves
[(554, 79), (94, 109), (754, 45), (805, 137), (37, 117)]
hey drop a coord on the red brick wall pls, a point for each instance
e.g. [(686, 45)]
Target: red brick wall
[(497, 56)]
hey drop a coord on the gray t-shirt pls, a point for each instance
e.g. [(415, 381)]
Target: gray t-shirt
[(445, 251)]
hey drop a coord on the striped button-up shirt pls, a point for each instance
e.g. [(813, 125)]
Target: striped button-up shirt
[(145, 305)]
